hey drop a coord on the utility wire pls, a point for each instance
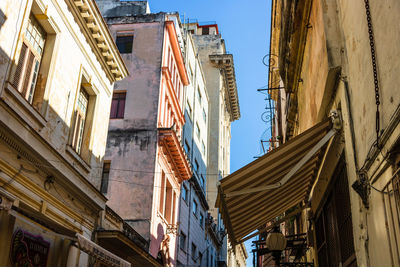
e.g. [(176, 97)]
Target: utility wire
[(116, 180), (115, 169)]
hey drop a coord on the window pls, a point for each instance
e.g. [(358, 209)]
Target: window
[(80, 120), (195, 207), (184, 193), (27, 68), (118, 105), (205, 31), (198, 94), (182, 241), (194, 250), (190, 73), (187, 147), (200, 258), (202, 183), (196, 166), (162, 193), (124, 42), (201, 220), (189, 109), (204, 116), (197, 130), (203, 148), (167, 200), (105, 177)]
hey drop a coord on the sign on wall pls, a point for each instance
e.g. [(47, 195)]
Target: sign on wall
[(28, 250)]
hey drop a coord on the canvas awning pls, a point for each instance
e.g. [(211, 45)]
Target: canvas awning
[(270, 185), (100, 253)]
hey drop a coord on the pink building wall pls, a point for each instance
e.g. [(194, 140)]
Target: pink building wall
[(147, 160)]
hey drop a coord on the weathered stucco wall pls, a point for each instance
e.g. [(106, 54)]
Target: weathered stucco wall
[(71, 58), (51, 183), (207, 45), (132, 141), (314, 71), (194, 106), (337, 42), (385, 14)]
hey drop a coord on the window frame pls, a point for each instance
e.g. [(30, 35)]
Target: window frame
[(198, 130), (182, 246), (29, 60), (185, 196), (105, 177), (199, 96), (193, 251), (80, 119), (203, 148), (117, 109), (195, 208), (125, 34), (196, 166), (187, 147), (201, 220)]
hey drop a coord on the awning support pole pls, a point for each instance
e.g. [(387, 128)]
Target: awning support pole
[(289, 175)]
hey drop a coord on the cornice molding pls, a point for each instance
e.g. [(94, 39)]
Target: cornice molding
[(225, 63), (93, 26)]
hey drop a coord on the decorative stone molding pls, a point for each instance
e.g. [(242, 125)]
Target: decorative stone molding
[(225, 63), (93, 26)]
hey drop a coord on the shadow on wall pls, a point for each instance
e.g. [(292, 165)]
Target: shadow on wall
[(4, 59), (52, 127)]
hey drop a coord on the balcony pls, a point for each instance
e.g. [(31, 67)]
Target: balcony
[(171, 147)]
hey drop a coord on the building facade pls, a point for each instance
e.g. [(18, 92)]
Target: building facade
[(219, 71), (146, 160), (339, 56), (58, 67), (331, 179), (194, 248)]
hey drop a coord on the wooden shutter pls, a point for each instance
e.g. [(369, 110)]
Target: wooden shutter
[(27, 74), (20, 66)]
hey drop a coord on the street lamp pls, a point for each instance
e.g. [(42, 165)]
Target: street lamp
[(276, 242)]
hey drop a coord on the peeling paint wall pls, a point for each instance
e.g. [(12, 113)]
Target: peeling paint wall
[(337, 61), (132, 141)]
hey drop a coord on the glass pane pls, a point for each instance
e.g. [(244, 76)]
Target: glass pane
[(124, 44)]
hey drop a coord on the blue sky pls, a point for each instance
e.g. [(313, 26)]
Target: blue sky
[(245, 26)]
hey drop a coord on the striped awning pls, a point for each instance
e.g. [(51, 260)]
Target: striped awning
[(270, 185)]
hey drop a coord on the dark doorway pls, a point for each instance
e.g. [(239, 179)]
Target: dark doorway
[(334, 230)]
